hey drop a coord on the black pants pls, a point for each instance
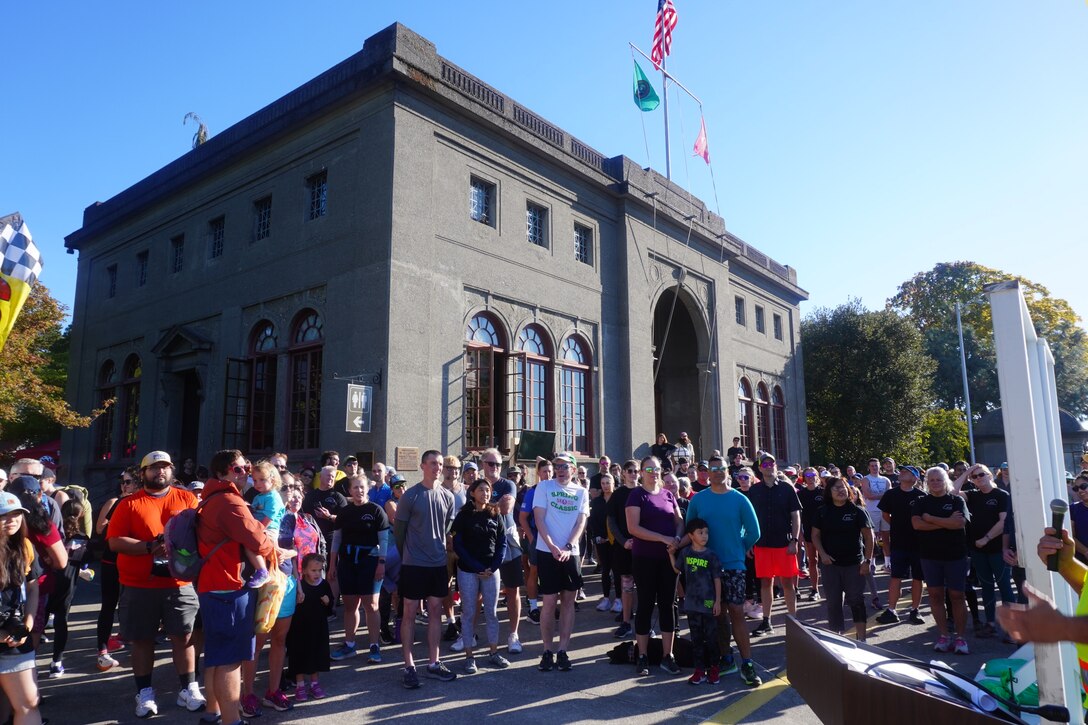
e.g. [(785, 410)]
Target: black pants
[(655, 582), (609, 580), (704, 639), (843, 582), (111, 594)]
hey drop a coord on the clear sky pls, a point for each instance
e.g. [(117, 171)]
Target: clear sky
[(860, 142)]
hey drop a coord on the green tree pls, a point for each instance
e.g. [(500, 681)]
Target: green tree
[(929, 300), (33, 374), (943, 436), (867, 380)]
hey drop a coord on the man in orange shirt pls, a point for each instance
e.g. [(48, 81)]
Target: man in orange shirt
[(227, 605), (150, 597)]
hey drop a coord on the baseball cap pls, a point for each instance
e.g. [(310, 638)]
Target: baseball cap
[(10, 502), (156, 457), (24, 484), (397, 480), (1005, 466), (912, 470), (513, 471), (767, 457), (791, 471), (565, 457), (704, 464), (350, 459), (470, 466)]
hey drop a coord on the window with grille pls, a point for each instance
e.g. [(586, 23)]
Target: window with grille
[(141, 269), (107, 390), (262, 218), (536, 223), (744, 411), (217, 232), (763, 418), (481, 385), (583, 244), (761, 323), (262, 391), (738, 307), (306, 375), (177, 253), (778, 415), (777, 321), (531, 376), (130, 405), (574, 396), (482, 201), (318, 186)]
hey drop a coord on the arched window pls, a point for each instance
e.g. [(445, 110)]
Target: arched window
[(482, 388), (778, 416), (307, 340), (262, 391), (130, 405), (575, 425), (763, 418), (532, 380), (746, 414), (107, 389)]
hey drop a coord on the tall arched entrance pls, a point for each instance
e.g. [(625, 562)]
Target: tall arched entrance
[(677, 389)]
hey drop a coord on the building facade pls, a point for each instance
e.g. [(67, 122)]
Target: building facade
[(397, 223)]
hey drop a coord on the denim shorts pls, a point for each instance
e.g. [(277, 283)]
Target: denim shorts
[(228, 626)]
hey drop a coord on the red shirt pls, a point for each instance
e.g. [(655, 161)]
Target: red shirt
[(226, 516), (143, 516)]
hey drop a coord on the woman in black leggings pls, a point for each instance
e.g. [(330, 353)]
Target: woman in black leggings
[(598, 530), (653, 518), (111, 585)]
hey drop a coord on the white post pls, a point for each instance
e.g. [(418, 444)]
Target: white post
[(1025, 373)]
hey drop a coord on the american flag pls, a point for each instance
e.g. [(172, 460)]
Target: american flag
[(663, 25)]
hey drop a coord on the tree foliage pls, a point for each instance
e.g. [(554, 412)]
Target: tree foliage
[(33, 370), (943, 436), (867, 381), (929, 300)]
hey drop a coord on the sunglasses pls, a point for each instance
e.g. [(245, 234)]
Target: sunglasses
[(650, 469), (1081, 487), (742, 477), (980, 474), (242, 469), (810, 475), (493, 464), (767, 464), (717, 468), (561, 466), (281, 468)]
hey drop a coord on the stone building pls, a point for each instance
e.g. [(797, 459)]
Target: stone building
[(398, 223)]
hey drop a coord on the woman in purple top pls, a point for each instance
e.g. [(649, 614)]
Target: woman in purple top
[(653, 518)]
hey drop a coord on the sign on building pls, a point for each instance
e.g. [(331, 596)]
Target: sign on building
[(358, 408)]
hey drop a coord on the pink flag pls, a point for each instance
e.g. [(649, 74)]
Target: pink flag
[(701, 147)]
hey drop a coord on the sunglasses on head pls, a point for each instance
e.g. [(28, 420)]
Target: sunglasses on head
[(242, 469)]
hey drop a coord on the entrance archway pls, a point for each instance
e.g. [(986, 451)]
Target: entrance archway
[(678, 406)]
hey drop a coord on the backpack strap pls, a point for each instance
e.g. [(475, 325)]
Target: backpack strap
[(218, 546)]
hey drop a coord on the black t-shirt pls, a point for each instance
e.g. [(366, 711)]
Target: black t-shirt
[(941, 544), (896, 503), (811, 500), (617, 509), (359, 525), (985, 510), (774, 506), (840, 532), (598, 518), (733, 452), (331, 500), (595, 480)]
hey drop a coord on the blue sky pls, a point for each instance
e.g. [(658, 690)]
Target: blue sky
[(859, 142)]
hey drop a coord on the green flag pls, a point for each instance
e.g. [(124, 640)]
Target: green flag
[(645, 96)]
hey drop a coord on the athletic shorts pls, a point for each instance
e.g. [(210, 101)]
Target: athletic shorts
[(513, 574), (879, 524), (143, 610), (733, 586), (355, 569), (530, 552), (621, 560), (905, 565), (775, 561), (949, 574), (421, 582), (559, 576), (228, 626), (290, 599)]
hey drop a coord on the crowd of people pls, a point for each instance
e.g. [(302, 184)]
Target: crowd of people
[(273, 557)]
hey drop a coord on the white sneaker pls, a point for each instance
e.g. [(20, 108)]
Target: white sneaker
[(617, 606), (145, 703), (581, 595), (513, 644), (459, 645), (191, 699), (106, 662), (604, 605)]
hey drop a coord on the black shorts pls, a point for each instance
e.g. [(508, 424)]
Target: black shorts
[(621, 560), (420, 582), (905, 565), (513, 575), (559, 576), (355, 569)]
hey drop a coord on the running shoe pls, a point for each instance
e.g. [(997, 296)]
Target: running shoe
[(410, 679), (604, 605), (727, 666), (643, 666), (439, 671), (813, 595), (470, 666), (748, 674), (317, 692), (251, 706), (497, 660), (617, 606), (623, 631), (106, 662), (887, 617), (375, 656), (56, 670), (451, 633), (698, 677), (386, 634), (343, 652), (459, 645), (302, 693), (562, 662), (959, 646), (191, 699), (145, 703), (534, 616), (763, 629), (259, 579), (713, 677), (581, 596), (943, 644), (513, 644), (547, 663), (915, 618), (277, 701), (114, 643), (668, 663)]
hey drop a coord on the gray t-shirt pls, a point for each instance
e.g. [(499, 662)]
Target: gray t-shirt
[(428, 514), (700, 569)]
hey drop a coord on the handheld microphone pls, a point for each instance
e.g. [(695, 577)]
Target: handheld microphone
[(1058, 508)]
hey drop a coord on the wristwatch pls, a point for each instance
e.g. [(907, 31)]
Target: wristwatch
[(569, 546)]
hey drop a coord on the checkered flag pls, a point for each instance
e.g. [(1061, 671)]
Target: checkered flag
[(19, 258)]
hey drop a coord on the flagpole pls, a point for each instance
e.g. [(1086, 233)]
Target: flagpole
[(665, 98)]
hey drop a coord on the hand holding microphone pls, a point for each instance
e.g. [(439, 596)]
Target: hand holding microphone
[(1058, 509)]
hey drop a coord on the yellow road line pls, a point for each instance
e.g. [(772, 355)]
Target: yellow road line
[(751, 702)]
